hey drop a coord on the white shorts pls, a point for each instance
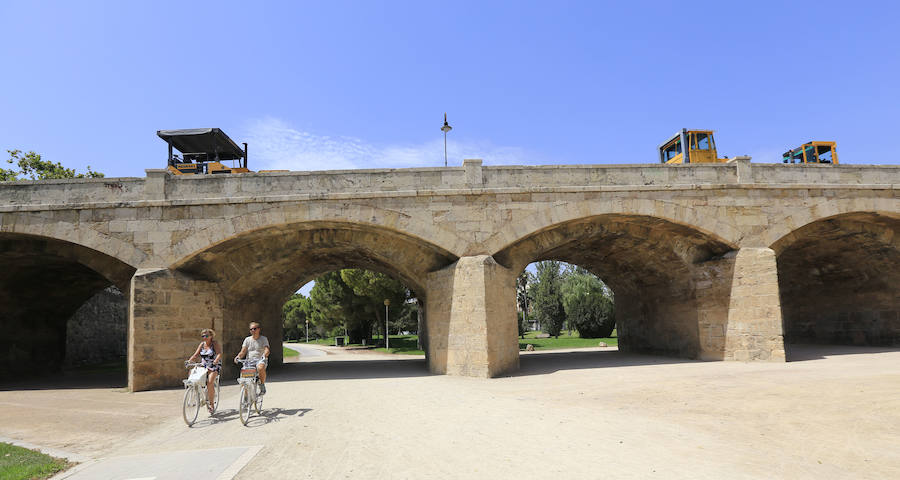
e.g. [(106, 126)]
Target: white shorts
[(260, 361)]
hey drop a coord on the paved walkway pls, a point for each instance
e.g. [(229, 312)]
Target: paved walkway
[(833, 413), (212, 464), (306, 350)]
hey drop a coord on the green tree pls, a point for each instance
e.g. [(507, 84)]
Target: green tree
[(352, 301), (524, 299), (334, 307), (31, 165), (588, 304), (548, 307), (375, 288), (295, 313)]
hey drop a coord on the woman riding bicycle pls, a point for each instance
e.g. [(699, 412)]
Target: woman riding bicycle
[(210, 353)]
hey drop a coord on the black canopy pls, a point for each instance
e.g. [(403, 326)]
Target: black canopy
[(210, 141)]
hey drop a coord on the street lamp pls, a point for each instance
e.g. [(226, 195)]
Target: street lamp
[(386, 340), (446, 128), (307, 330)]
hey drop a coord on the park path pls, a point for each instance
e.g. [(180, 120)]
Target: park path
[(306, 350), (834, 413)]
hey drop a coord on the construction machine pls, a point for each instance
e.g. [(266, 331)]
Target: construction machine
[(812, 152), (202, 151), (701, 148), (690, 146)]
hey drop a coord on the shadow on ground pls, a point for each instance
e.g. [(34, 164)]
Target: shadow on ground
[(67, 380), (799, 352), (542, 363), (266, 416), (538, 363), (350, 369)]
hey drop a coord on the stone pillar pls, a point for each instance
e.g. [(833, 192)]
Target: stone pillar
[(754, 330), (712, 284), (471, 319), (474, 175), (742, 164), (239, 312), (166, 312), (155, 184)]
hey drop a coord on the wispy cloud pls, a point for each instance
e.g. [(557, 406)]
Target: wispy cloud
[(277, 145)]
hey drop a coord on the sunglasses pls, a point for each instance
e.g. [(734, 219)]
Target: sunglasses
[(254, 328), (204, 336)]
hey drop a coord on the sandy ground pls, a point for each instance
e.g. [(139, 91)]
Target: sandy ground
[(834, 412)]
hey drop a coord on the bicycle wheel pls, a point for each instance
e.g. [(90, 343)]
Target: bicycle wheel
[(216, 399), (191, 405), (245, 405)]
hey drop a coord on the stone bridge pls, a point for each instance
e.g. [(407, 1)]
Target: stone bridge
[(719, 262)]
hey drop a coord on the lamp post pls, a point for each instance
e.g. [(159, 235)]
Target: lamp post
[(307, 330), (446, 128), (386, 340)]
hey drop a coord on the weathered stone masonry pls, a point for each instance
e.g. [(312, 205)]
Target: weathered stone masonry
[(707, 261)]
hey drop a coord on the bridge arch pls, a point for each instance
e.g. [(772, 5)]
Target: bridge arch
[(417, 224), (786, 219), (714, 226), (838, 279), (65, 228), (662, 273), (43, 281), (248, 276)]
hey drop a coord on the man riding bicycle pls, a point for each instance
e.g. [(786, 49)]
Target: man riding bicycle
[(256, 348)]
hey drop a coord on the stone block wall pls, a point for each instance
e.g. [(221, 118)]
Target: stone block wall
[(712, 281), (754, 330), (167, 310), (98, 331), (471, 319), (844, 317)]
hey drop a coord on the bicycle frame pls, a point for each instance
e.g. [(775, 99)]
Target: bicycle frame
[(196, 392), (250, 386)]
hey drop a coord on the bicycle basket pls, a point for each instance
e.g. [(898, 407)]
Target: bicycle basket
[(197, 374), (248, 372)]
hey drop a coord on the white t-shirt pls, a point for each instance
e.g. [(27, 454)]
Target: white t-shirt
[(256, 348)]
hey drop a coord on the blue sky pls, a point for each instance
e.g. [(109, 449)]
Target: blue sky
[(322, 85)]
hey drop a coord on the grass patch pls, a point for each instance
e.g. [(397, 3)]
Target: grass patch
[(564, 341), (287, 352), (17, 463), (406, 344), (402, 344)]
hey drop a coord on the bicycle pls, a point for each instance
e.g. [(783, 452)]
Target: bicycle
[(195, 392), (251, 396)]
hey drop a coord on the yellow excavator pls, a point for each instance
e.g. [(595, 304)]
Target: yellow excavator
[(812, 152), (699, 146), (202, 151), (690, 146)]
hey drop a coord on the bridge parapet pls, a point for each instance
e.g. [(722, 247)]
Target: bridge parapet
[(159, 186)]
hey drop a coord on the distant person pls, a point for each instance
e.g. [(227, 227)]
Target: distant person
[(210, 353), (256, 349)]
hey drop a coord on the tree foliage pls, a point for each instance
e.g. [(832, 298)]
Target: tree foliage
[(588, 304), (548, 307), (567, 295), (351, 301), (524, 299), (33, 167), (295, 313)]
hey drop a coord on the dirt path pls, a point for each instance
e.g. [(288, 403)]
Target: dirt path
[(585, 414)]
